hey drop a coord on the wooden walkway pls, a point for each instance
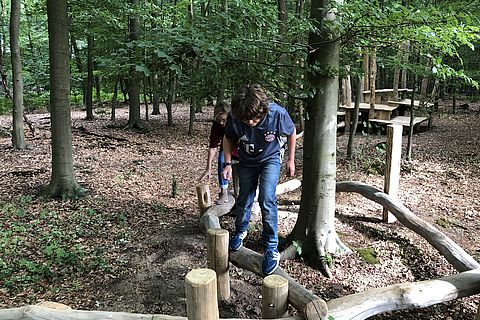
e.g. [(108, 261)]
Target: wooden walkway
[(402, 120)]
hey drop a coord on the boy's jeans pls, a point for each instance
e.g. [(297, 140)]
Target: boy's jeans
[(221, 160), (266, 175)]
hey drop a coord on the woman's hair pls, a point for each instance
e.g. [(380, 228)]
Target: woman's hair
[(249, 102), (219, 109)]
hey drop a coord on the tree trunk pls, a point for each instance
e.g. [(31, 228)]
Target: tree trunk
[(356, 112), (373, 77), (315, 228), (63, 182), (78, 62), (134, 120), (18, 135), (89, 89), (171, 97), (114, 98), (156, 96), (366, 78), (406, 54)]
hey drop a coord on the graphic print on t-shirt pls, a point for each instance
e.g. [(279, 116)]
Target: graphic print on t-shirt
[(269, 136)]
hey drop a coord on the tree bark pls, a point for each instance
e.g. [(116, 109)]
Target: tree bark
[(315, 227), (63, 182), (18, 135), (401, 296), (89, 88), (134, 120)]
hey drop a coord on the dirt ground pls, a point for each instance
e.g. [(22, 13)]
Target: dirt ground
[(134, 176)]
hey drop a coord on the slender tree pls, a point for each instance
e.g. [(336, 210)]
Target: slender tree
[(63, 182), (18, 135), (89, 88)]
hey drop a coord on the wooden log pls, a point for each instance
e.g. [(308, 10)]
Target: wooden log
[(309, 305), (274, 297), (405, 296), (201, 293), (287, 186), (392, 166), (33, 312), (203, 197), (454, 254), (478, 313), (217, 260), (209, 219)]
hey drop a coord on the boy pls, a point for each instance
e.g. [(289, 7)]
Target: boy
[(258, 126), (215, 140)]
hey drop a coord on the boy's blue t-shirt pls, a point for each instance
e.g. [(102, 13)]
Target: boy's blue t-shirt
[(265, 140)]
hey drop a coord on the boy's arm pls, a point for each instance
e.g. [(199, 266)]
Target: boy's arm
[(207, 173), (291, 142), (227, 153)]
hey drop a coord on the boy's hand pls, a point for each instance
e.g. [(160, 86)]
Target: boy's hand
[(205, 176), (227, 173), (290, 166)]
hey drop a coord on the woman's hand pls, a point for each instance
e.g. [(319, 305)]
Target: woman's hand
[(207, 174)]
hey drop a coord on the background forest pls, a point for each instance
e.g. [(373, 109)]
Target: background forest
[(105, 111)]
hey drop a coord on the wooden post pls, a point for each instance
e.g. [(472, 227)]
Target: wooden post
[(217, 259), (478, 312), (274, 297), (392, 166), (204, 198), (201, 293)]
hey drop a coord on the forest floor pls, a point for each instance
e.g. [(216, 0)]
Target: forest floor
[(129, 243)]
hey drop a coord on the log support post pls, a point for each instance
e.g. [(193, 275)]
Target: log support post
[(392, 166), (478, 312), (217, 256), (201, 293), (274, 297), (204, 198)]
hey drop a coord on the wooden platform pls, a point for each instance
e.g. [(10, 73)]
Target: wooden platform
[(402, 120)]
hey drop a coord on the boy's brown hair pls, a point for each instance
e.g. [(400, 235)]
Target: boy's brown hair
[(249, 102), (219, 109)]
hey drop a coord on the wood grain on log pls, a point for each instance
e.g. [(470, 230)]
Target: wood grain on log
[(42, 313), (405, 296)]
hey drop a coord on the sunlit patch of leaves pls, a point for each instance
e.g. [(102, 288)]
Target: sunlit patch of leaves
[(40, 247)]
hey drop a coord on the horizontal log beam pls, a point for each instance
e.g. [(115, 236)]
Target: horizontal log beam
[(33, 312), (411, 295), (454, 254)]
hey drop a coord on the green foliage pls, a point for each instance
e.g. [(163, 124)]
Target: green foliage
[(174, 186), (5, 106), (368, 254), (297, 247), (370, 159), (443, 222), (40, 247)]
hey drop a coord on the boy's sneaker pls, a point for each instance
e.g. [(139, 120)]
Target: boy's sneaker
[(271, 260), (236, 242)]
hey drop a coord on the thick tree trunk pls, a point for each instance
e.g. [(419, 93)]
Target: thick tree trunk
[(134, 120), (18, 135), (315, 227), (63, 182)]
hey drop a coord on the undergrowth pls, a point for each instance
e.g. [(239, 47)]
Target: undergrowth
[(40, 247)]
